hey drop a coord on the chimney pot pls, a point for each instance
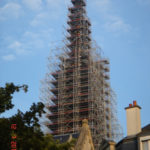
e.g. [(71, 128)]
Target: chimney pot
[(130, 105), (134, 103)]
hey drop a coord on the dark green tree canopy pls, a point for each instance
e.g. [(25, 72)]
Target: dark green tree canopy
[(29, 134), (6, 95)]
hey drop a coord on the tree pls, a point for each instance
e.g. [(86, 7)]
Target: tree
[(6, 95), (51, 144), (29, 134)]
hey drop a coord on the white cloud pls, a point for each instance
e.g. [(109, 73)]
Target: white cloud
[(57, 3), (101, 5), (9, 57), (38, 20), (33, 4), (117, 24), (10, 10), (37, 40), (113, 22), (15, 45), (53, 9), (43, 34), (52, 4), (18, 48), (57, 8), (21, 51), (30, 35)]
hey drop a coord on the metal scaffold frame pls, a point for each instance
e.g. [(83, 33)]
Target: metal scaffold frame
[(77, 85)]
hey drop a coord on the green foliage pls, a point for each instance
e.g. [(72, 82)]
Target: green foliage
[(5, 134), (6, 95), (29, 134), (51, 144)]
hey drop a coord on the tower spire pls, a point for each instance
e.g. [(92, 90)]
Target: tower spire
[(79, 88), (79, 27)]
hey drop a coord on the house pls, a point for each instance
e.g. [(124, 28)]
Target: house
[(137, 138)]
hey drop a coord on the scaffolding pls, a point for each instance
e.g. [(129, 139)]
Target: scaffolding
[(77, 86)]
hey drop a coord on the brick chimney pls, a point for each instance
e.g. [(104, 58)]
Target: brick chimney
[(133, 119)]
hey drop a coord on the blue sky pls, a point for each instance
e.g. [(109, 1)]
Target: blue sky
[(30, 28)]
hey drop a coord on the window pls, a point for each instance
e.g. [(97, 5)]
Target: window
[(145, 145)]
